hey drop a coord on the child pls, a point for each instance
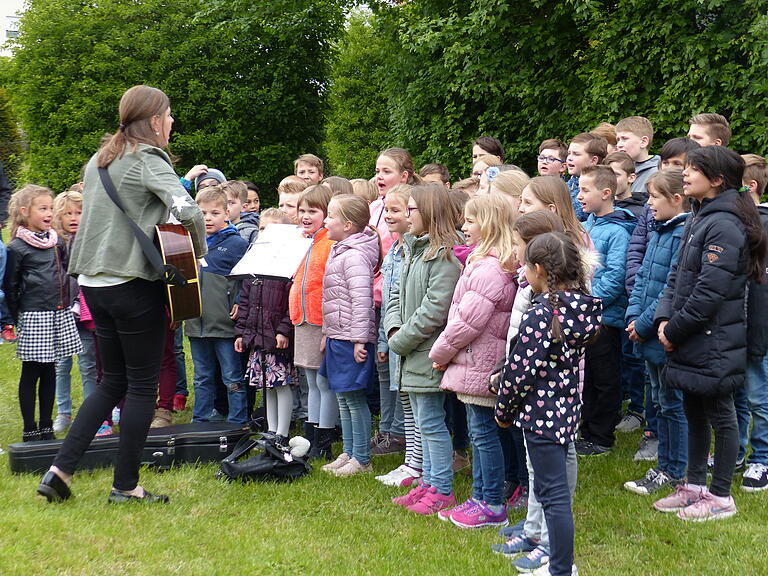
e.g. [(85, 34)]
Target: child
[(609, 229), (701, 317), (309, 168), (397, 423), (366, 189), (469, 347), (667, 207), (208, 177), (751, 400), (547, 193), (349, 327), (415, 316), (487, 145), (634, 135), (305, 306), (510, 184), (584, 149), (469, 185), (479, 168), (67, 208), (264, 330), (607, 131), (539, 387), (551, 158), (436, 173), (289, 190), (252, 203), (709, 130), (246, 223), (212, 336), (37, 292), (624, 167)]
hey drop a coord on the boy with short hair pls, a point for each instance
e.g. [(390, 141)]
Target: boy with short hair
[(634, 135), (247, 224), (709, 129), (551, 158), (609, 229), (624, 168), (584, 150), (673, 153), (436, 173), (289, 190), (309, 168), (212, 336)]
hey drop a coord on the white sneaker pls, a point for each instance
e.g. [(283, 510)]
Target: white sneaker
[(61, 423), (630, 422), (544, 571), (340, 461), (403, 475), (353, 467)]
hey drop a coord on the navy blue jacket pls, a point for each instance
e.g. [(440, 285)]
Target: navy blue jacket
[(610, 235), (638, 242), (651, 279), (757, 307), (704, 301)]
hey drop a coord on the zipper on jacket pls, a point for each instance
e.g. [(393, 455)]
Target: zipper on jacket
[(304, 281), (58, 274)]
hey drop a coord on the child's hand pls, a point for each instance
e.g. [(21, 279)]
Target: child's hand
[(501, 424), (392, 333), (322, 345), (381, 357), (233, 312), (633, 333), (360, 352), (239, 345), (282, 341), (441, 367), (668, 346), (493, 382), (195, 171)]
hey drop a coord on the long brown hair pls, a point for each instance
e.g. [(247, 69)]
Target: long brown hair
[(138, 106), (437, 213), (552, 190)]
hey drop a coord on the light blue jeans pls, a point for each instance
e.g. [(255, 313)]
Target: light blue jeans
[(437, 448), (752, 400), (86, 363), (355, 419), (205, 352), (487, 455), (391, 408)]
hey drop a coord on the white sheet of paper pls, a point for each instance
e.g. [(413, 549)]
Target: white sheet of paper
[(278, 252)]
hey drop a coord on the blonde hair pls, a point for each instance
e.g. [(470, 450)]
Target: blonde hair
[(60, 204), (494, 216), (488, 159), (468, 185), (214, 195), (510, 183), (310, 159), (438, 215), (353, 209), (338, 185), (365, 189), (552, 190), (274, 215), (292, 185), (138, 106), (23, 198), (605, 130), (640, 126), (400, 191), (235, 189)]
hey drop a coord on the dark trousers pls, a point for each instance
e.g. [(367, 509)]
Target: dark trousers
[(719, 414), (550, 484), (602, 387), (130, 326), (31, 374), (456, 421)]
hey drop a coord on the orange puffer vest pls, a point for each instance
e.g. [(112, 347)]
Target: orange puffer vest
[(306, 298)]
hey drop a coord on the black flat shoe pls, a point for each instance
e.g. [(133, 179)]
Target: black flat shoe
[(117, 497), (54, 488)]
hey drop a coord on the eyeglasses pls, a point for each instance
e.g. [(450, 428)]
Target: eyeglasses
[(548, 159), (410, 209)]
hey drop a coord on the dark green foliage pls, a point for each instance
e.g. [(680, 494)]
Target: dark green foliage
[(10, 138)]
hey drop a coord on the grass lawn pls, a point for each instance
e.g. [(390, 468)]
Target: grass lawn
[(325, 525)]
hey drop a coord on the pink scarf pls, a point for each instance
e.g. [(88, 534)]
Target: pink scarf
[(36, 240)]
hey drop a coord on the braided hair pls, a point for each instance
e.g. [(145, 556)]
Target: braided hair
[(561, 260)]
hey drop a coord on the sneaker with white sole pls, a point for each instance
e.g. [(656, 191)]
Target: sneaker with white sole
[(403, 475), (515, 546), (353, 467), (413, 496), (513, 530), (683, 496), (61, 423), (648, 449), (653, 482), (480, 516), (432, 502), (708, 507), (532, 561), (445, 515), (340, 461), (631, 422), (544, 571), (755, 478)]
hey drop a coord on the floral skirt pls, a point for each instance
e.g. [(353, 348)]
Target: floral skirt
[(278, 369)]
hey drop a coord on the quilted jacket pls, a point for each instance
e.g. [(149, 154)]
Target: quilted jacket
[(306, 298), (262, 314), (348, 311)]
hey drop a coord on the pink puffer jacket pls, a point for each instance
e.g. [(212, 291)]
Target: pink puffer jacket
[(348, 288), (475, 337)]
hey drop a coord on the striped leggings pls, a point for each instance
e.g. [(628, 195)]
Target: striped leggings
[(413, 455)]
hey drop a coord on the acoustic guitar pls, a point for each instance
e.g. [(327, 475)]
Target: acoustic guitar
[(175, 246)]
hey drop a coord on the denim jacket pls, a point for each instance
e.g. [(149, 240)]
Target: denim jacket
[(390, 272)]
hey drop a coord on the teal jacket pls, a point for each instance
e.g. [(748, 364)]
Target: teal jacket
[(418, 308)]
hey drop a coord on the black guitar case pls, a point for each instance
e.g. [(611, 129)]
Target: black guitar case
[(165, 448)]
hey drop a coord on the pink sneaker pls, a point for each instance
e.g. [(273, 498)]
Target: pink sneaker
[(709, 507), (340, 461), (480, 515), (412, 497), (681, 498), (445, 515), (431, 502)]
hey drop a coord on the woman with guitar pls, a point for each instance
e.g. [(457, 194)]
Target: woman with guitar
[(124, 290)]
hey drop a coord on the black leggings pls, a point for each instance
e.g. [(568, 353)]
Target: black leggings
[(130, 326), (31, 372)]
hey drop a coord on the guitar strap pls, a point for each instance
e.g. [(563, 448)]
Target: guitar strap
[(169, 273)]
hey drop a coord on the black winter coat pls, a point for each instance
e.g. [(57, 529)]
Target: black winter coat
[(262, 314), (36, 278), (757, 307), (704, 301)]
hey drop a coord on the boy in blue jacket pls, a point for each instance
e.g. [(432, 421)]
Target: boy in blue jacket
[(212, 336), (610, 230)]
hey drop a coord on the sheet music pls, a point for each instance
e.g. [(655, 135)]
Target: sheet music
[(277, 252)]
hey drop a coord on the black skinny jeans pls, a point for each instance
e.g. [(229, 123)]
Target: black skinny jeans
[(601, 406), (130, 326)]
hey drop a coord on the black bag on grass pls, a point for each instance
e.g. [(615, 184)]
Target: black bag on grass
[(271, 461)]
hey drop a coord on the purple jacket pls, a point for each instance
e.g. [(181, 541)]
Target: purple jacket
[(348, 312), (475, 336), (262, 314)]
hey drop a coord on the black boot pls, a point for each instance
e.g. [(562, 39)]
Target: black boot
[(309, 432), (31, 434), (321, 448), (46, 433)]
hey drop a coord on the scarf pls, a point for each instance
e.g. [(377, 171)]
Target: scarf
[(45, 239)]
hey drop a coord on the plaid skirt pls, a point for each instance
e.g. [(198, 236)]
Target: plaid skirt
[(47, 336)]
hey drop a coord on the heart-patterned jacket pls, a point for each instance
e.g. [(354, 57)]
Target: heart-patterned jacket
[(539, 388)]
